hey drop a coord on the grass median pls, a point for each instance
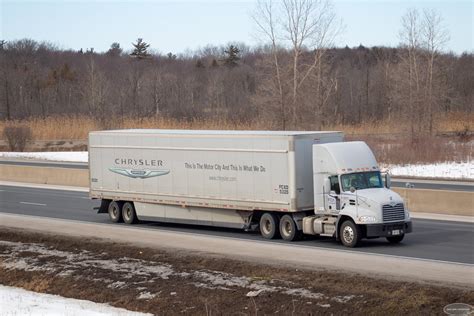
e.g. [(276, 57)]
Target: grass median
[(164, 282)]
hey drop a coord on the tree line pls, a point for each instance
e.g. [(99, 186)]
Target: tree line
[(296, 78)]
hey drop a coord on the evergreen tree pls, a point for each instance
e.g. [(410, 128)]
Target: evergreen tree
[(232, 56), (115, 50), (140, 50), (171, 56)]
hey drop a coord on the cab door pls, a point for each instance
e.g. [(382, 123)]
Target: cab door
[(333, 199)]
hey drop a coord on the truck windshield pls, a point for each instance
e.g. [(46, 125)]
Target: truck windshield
[(361, 180)]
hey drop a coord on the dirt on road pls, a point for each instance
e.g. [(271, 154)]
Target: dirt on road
[(168, 283)]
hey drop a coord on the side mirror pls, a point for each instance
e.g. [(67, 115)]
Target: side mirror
[(388, 180), (326, 186), (352, 189)]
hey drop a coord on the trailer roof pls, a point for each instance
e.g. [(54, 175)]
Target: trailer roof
[(214, 132)]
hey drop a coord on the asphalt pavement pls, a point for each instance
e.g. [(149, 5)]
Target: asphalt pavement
[(431, 239)]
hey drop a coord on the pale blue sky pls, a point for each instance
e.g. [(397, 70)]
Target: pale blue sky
[(179, 25)]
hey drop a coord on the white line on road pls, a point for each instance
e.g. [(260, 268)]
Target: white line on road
[(30, 203)]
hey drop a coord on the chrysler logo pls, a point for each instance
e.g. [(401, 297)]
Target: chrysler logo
[(140, 174)]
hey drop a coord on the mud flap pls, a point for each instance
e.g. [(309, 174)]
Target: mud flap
[(104, 206)]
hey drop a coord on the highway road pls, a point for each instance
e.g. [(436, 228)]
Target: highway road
[(436, 240), (467, 186)]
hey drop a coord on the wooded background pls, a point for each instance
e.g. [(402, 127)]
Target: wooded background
[(302, 83)]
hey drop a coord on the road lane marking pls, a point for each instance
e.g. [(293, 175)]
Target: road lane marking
[(30, 203)]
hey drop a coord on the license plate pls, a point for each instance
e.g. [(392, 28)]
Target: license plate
[(395, 232)]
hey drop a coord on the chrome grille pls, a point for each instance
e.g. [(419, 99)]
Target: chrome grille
[(393, 213)]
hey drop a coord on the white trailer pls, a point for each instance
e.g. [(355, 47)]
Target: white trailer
[(283, 183)]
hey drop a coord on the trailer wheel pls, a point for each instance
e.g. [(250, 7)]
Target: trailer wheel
[(269, 224), (350, 234), (395, 239), (115, 211), (288, 229), (128, 213)]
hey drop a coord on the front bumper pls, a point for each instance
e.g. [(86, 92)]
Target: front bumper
[(385, 230)]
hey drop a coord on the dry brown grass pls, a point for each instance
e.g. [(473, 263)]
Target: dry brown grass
[(77, 127), (421, 149), (454, 122)]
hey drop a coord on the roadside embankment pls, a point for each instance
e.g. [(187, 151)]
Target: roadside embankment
[(151, 279), (438, 201), (45, 175)]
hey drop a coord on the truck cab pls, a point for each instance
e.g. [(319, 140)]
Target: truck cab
[(351, 199)]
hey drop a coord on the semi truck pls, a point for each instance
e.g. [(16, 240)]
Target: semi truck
[(285, 184)]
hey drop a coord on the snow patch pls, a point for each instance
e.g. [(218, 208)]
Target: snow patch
[(69, 156), (449, 170), (16, 301), (117, 285), (343, 299), (146, 296), (136, 273), (324, 305), (253, 293)]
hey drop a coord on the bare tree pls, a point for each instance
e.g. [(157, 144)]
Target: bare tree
[(435, 36), (265, 20), (411, 42), (422, 36), (307, 28), (95, 90)]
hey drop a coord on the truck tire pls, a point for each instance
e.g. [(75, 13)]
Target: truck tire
[(128, 213), (350, 234), (115, 211), (269, 224), (395, 239), (288, 229)]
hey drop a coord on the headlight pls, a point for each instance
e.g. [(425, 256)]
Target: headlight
[(367, 219)]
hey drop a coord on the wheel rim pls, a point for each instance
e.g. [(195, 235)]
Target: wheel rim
[(128, 213), (287, 229), (115, 211), (267, 227), (348, 234)]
